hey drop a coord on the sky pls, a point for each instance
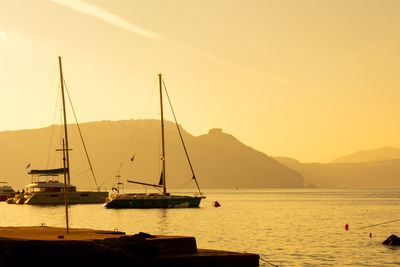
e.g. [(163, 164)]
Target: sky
[(312, 80)]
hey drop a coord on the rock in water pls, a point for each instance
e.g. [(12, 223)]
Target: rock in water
[(392, 240)]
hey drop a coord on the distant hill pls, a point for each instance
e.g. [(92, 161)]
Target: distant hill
[(377, 174), (231, 162), (384, 153), (132, 149)]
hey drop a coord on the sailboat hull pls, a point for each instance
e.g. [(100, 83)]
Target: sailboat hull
[(148, 202)]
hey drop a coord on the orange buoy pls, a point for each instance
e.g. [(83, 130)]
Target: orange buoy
[(216, 204), (346, 227)]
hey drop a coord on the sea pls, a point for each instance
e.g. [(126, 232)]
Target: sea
[(286, 227)]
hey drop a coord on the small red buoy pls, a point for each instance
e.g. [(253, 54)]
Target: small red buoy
[(346, 227), (216, 204), (370, 235)]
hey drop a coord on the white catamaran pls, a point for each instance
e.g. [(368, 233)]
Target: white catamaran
[(46, 187)]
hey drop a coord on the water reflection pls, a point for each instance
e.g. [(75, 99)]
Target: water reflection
[(287, 227), (163, 223)]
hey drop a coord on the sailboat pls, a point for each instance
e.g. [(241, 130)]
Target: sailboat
[(158, 200), (46, 188)]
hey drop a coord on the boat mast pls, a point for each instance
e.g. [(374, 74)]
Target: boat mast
[(65, 188), (65, 120), (162, 138)]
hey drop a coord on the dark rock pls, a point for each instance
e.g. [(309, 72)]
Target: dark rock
[(392, 240), (142, 235)]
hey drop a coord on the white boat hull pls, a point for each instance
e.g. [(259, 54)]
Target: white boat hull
[(55, 198)]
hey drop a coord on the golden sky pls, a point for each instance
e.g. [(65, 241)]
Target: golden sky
[(311, 79)]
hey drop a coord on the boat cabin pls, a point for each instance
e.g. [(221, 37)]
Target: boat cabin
[(49, 186), (48, 181)]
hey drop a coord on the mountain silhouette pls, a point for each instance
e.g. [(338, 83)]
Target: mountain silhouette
[(384, 153), (374, 174), (131, 149)]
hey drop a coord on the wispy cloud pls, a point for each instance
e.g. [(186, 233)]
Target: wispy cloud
[(3, 36), (226, 63), (14, 37), (94, 11), (102, 14)]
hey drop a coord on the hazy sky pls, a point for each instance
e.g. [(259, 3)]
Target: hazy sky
[(310, 79)]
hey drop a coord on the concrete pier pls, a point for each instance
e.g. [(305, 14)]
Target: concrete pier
[(52, 246)]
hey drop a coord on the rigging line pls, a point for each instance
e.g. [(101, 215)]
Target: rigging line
[(158, 189), (144, 114), (109, 176), (51, 139), (180, 135), (380, 223), (118, 174), (80, 173), (53, 126), (182, 185), (56, 131), (119, 170), (41, 130), (138, 132), (80, 133), (268, 262)]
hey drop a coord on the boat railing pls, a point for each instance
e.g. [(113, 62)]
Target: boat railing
[(45, 179)]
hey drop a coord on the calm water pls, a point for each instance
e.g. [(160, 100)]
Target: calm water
[(286, 227)]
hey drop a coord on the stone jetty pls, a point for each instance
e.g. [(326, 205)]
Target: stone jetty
[(52, 246)]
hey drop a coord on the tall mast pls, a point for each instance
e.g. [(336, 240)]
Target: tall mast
[(65, 120), (162, 138), (65, 188)]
